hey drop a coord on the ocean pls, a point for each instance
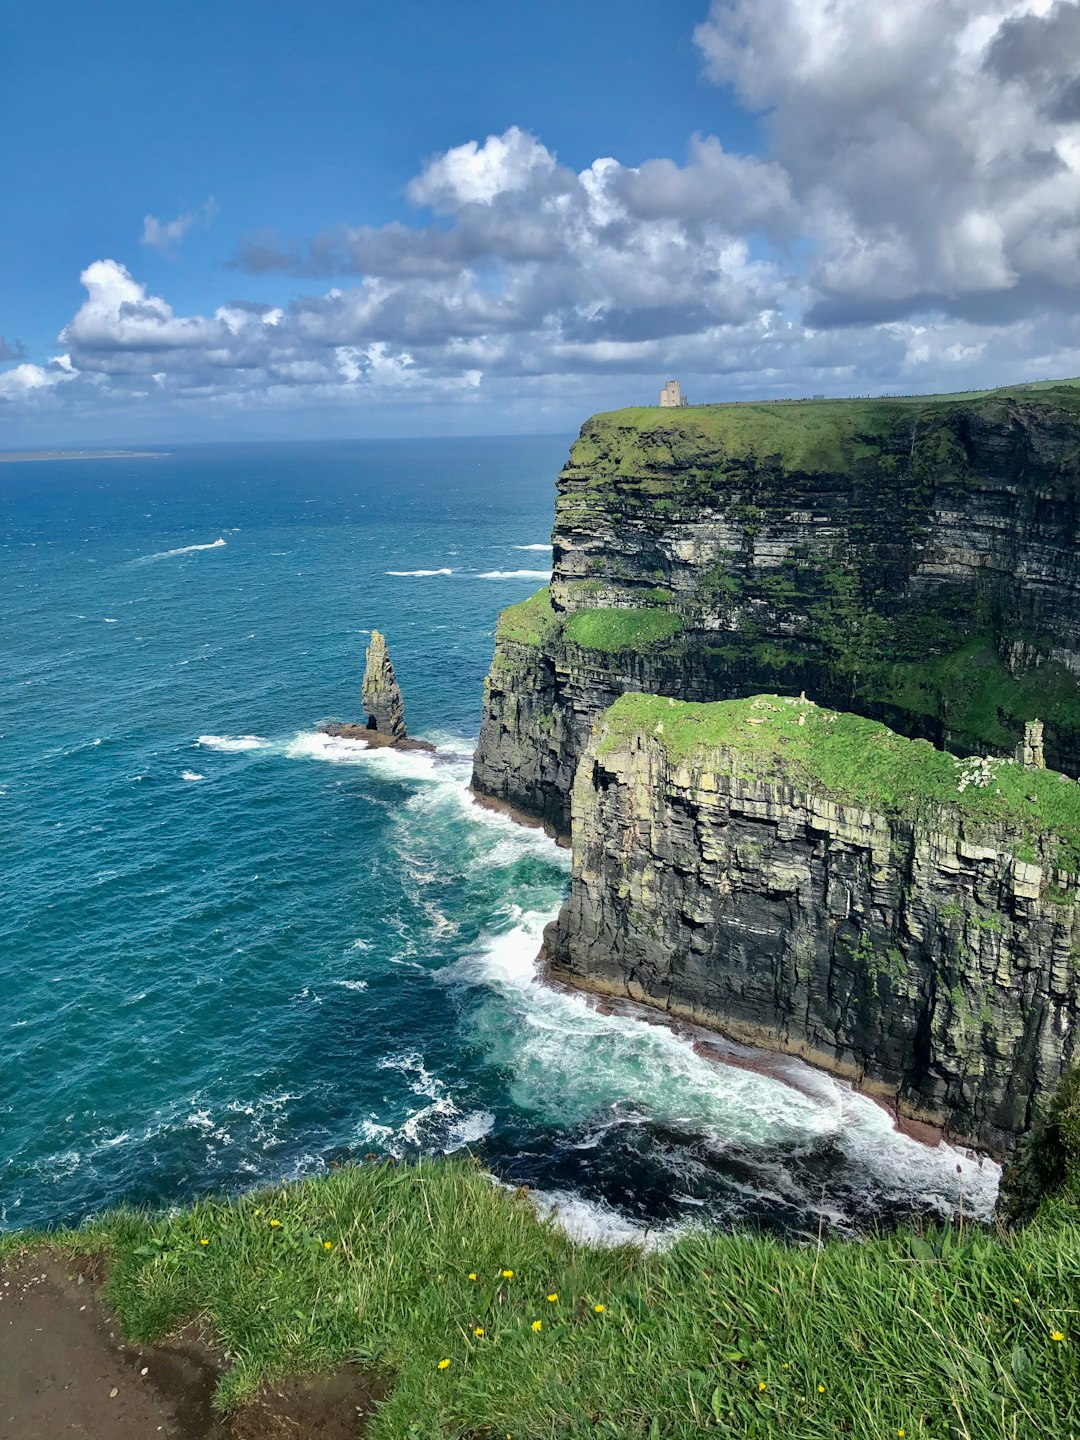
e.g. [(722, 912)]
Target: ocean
[(233, 950)]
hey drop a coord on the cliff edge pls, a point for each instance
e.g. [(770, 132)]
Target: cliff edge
[(813, 882), (912, 560)]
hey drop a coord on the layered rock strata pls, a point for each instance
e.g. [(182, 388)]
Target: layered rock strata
[(817, 884), (916, 561)]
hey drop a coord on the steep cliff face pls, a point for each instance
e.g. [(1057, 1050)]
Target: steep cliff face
[(914, 561), (813, 882)]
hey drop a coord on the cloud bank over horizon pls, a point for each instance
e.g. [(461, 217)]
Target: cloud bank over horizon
[(913, 223)]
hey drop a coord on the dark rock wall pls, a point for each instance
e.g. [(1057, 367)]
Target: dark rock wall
[(917, 565), (936, 969)]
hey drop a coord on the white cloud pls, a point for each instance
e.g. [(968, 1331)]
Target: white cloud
[(931, 144), (915, 223), (165, 235), (478, 174)]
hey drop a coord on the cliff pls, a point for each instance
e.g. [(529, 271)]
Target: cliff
[(813, 882), (915, 561)]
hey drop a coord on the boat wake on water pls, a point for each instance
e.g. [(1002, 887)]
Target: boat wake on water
[(181, 550)]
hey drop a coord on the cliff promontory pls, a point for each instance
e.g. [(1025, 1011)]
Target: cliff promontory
[(813, 882), (911, 560)]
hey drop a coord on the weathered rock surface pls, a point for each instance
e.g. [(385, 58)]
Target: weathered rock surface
[(916, 561), (906, 945), (383, 703), (381, 692)]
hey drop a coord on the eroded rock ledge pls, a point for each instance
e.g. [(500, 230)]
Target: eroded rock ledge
[(813, 882)]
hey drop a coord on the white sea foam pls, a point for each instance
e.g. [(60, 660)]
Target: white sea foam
[(471, 1128), (232, 743), (182, 550), (314, 745), (514, 575), (589, 1222), (351, 984), (109, 620), (360, 945), (191, 775), (421, 574), (574, 1066), (546, 546)]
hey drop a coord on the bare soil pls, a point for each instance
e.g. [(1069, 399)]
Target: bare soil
[(65, 1371)]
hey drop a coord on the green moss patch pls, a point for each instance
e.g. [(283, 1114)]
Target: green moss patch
[(612, 631), (973, 691), (854, 760), (530, 622)]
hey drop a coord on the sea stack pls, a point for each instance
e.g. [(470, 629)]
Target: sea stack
[(382, 700), (381, 693)]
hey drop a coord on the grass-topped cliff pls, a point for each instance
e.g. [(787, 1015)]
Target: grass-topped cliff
[(486, 1322), (834, 436), (862, 762), (914, 560)]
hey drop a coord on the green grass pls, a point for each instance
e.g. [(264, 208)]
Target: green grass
[(852, 759), (530, 622), (972, 689), (612, 631), (948, 1334), (807, 435)]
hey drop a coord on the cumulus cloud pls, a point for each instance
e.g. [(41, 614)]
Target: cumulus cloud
[(933, 146), (914, 222), (166, 235)]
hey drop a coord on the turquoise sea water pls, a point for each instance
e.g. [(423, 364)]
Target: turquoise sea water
[(233, 950)]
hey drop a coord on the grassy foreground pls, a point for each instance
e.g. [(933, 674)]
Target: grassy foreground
[(492, 1323)]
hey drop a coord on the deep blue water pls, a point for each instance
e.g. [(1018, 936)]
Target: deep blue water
[(232, 950)]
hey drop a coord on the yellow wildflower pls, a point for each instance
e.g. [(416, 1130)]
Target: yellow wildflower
[(901, 1434), (327, 1244), (821, 1389), (553, 1297), (258, 1211), (472, 1274), (444, 1364), (1057, 1335), (785, 1366), (762, 1385), (599, 1309), (1016, 1302), (478, 1330), (508, 1274), (275, 1224), (204, 1242), (538, 1324)]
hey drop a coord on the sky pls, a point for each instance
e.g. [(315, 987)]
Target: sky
[(243, 219)]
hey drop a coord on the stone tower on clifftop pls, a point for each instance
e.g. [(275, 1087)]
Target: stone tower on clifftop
[(672, 394), (381, 693)]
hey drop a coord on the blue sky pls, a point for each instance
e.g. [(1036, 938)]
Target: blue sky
[(430, 217)]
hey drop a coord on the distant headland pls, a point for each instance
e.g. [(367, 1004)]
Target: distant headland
[(12, 457)]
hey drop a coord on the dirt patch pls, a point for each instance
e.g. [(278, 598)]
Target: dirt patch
[(65, 1371)]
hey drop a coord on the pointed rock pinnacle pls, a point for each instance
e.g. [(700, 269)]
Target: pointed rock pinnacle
[(382, 694)]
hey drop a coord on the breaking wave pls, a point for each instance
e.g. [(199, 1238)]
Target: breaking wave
[(182, 550), (514, 575)]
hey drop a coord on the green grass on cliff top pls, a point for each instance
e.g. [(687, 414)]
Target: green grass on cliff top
[(954, 1333), (851, 759), (611, 631), (530, 621), (809, 435)]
